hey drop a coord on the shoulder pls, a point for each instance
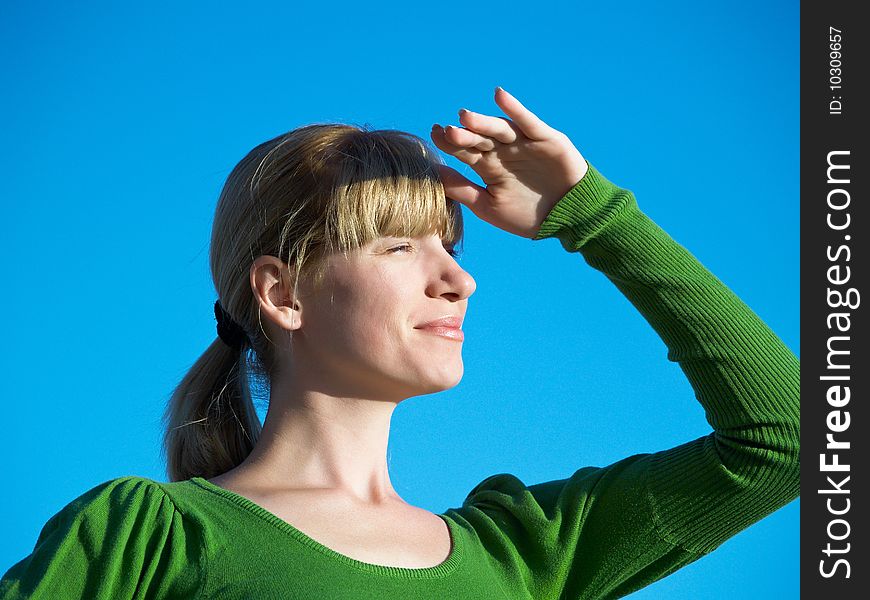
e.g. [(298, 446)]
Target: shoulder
[(583, 481), (128, 505), (120, 493), (120, 538), (124, 486), (587, 495)]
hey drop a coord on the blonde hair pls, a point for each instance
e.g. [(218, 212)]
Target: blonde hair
[(301, 196)]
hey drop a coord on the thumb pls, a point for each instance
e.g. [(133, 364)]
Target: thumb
[(463, 190)]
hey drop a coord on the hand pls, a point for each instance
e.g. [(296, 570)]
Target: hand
[(527, 166)]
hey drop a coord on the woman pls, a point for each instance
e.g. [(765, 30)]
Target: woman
[(332, 254)]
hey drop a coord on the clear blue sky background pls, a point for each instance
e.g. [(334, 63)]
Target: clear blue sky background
[(121, 122)]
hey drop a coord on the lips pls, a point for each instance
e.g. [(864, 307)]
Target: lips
[(448, 327), (448, 321)]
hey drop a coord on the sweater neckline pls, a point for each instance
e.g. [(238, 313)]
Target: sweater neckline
[(447, 566)]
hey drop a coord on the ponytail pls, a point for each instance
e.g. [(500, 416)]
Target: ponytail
[(211, 425)]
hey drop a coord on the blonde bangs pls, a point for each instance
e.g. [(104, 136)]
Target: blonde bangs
[(389, 186)]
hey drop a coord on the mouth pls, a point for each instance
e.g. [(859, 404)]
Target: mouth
[(453, 333), (454, 321), (449, 326)]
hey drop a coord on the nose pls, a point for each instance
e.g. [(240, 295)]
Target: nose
[(451, 281)]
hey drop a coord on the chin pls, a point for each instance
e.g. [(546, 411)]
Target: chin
[(447, 380)]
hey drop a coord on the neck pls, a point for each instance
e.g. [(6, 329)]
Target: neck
[(311, 440)]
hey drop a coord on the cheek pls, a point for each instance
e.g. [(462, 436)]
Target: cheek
[(386, 339), (368, 325), (367, 315)]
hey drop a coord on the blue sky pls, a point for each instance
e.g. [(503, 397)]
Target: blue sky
[(122, 122)]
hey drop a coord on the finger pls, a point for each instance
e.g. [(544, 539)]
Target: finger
[(462, 189), (468, 139), (498, 128), (531, 126), (469, 156)]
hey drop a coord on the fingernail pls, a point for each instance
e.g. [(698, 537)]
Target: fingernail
[(462, 111), (499, 88)]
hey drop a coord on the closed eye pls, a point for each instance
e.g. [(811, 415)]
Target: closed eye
[(407, 247)]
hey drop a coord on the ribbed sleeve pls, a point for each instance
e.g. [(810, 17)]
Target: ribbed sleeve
[(747, 380), (121, 539), (607, 531)]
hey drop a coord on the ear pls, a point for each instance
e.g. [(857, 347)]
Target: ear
[(272, 284)]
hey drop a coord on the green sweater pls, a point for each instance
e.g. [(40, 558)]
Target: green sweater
[(602, 532)]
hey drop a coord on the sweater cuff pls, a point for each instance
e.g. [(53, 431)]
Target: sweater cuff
[(585, 211)]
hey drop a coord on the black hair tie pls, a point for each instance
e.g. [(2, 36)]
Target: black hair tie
[(228, 330)]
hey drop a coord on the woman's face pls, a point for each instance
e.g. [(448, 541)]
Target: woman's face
[(361, 329)]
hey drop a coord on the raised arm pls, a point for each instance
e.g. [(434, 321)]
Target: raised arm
[(604, 532), (747, 380)]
